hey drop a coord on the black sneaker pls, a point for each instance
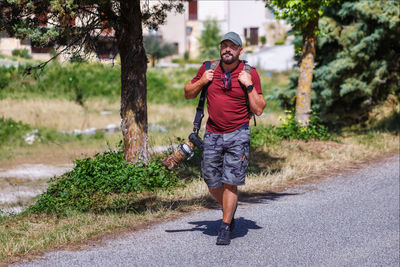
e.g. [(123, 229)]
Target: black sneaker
[(232, 224), (224, 235)]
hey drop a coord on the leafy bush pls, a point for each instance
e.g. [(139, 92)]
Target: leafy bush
[(209, 40), (357, 65), (290, 129), (105, 182), (263, 135), (24, 53), (12, 132), (6, 76), (263, 40)]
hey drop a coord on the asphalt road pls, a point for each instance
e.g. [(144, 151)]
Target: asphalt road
[(349, 220)]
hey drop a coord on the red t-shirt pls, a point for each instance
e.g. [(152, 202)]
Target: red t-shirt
[(227, 108)]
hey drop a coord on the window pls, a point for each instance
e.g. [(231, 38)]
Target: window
[(193, 10)]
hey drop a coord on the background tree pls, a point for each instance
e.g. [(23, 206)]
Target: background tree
[(209, 40), (156, 48), (303, 15), (76, 26), (358, 61)]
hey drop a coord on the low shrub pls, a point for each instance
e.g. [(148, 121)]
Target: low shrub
[(290, 129), (103, 183), (24, 53), (6, 76), (12, 132)]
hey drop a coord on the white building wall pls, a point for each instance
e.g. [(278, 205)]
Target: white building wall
[(246, 14), (174, 30)]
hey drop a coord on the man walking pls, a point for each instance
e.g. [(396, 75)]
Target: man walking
[(232, 94)]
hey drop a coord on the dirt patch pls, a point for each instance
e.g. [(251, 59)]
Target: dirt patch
[(316, 147)]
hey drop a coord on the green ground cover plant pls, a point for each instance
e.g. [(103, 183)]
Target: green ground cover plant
[(12, 132), (290, 129), (105, 182), (24, 53)]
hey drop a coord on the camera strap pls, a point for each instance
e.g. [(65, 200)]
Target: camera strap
[(200, 107)]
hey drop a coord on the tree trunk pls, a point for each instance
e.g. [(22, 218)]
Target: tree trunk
[(303, 97), (133, 83)]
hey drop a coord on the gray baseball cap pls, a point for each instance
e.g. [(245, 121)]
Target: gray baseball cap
[(232, 36)]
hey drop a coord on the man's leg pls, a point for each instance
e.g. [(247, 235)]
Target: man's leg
[(227, 197), (217, 194), (229, 202), (227, 194)]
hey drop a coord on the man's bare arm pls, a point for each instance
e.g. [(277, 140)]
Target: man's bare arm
[(193, 89), (256, 100)]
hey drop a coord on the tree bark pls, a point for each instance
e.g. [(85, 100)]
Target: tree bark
[(133, 83), (303, 97)]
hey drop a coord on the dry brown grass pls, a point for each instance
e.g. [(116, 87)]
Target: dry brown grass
[(62, 114), (279, 166)]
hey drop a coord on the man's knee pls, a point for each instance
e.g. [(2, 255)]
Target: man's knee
[(230, 187)]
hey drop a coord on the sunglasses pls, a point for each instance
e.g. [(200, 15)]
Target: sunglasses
[(226, 80)]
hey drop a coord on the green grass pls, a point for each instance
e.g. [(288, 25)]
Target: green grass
[(13, 134), (81, 81)]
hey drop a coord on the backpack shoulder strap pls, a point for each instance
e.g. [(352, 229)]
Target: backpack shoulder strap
[(214, 64), (247, 68)]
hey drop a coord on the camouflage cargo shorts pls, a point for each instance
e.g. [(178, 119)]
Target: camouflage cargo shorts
[(226, 157)]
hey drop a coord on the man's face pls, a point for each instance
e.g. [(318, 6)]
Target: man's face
[(229, 52)]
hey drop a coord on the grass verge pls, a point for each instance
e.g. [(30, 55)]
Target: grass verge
[(273, 167)]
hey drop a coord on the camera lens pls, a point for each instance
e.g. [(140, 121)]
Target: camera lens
[(186, 149)]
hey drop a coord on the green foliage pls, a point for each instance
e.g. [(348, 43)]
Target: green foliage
[(186, 55), (358, 63), (167, 86), (188, 60), (263, 40), (209, 40), (6, 76), (279, 42), (300, 13), (12, 132), (103, 183), (290, 129), (24, 53), (264, 135), (74, 81), (156, 48), (79, 82)]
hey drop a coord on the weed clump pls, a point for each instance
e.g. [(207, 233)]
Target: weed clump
[(290, 129), (103, 183), (12, 131)]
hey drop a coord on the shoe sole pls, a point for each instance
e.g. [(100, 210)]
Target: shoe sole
[(222, 243)]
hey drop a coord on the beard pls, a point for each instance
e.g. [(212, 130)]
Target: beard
[(228, 58)]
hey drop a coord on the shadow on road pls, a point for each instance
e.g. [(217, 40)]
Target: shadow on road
[(211, 227), (262, 197)]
